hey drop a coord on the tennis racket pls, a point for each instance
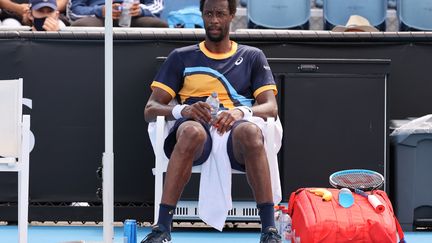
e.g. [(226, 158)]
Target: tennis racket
[(359, 180)]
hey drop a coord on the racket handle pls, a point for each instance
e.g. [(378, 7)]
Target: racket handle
[(361, 193), (376, 203)]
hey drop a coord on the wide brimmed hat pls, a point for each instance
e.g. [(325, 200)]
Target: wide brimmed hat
[(356, 23)]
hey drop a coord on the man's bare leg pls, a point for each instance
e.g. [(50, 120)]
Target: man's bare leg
[(190, 143), (248, 147)]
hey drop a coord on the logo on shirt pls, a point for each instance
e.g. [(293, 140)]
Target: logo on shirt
[(239, 61)]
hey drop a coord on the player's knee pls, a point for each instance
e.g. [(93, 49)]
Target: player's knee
[(192, 135), (249, 135)]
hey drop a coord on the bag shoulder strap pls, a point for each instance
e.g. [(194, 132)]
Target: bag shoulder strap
[(292, 199)]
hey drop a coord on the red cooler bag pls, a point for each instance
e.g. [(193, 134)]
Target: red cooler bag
[(315, 220)]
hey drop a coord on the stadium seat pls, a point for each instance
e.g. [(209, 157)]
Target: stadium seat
[(161, 161), (392, 4), (278, 14), (174, 5), (15, 146), (414, 15), (337, 12)]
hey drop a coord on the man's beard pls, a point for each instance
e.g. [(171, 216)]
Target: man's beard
[(217, 38)]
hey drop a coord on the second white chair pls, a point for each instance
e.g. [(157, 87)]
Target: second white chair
[(15, 146)]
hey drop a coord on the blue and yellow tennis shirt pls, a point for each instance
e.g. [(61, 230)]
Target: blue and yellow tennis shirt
[(192, 73)]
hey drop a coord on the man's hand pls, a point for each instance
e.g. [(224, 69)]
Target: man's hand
[(116, 12), (199, 111), (226, 120), (22, 9), (51, 24), (135, 10)]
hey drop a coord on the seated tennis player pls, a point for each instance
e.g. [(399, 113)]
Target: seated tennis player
[(242, 78)]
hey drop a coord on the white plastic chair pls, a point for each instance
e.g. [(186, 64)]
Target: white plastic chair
[(161, 161), (15, 146)]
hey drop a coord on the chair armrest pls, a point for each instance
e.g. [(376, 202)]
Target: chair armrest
[(7, 160)]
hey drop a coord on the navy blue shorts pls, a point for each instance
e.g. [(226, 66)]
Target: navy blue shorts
[(171, 140)]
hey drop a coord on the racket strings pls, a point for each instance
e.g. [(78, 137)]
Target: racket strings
[(358, 180)]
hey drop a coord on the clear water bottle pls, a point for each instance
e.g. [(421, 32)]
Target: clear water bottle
[(277, 218), (286, 226), (346, 198), (214, 103), (125, 17)]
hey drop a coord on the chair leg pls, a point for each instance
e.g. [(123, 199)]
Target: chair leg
[(159, 168), (23, 182), (158, 193), (22, 205)]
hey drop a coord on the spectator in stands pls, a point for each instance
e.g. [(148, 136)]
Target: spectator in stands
[(356, 23), (44, 15), (92, 13), (61, 7), (242, 76), (14, 13)]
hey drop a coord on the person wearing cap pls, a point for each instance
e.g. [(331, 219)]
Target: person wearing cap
[(145, 13), (44, 15), (14, 13)]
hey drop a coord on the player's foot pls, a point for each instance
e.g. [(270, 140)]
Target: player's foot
[(158, 235), (270, 235)]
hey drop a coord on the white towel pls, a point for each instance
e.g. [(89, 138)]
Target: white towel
[(215, 184)]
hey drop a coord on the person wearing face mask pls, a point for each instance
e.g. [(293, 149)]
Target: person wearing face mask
[(14, 13), (44, 15)]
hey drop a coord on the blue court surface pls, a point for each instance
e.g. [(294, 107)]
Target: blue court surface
[(93, 234)]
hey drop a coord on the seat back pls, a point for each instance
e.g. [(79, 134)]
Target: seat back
[(414, 14), (279, 14), (174, 5), (337, 12), (11, 94)]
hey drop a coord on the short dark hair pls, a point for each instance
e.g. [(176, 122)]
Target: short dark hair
[(232, 5)]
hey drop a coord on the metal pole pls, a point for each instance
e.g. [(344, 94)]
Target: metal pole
[(108, 156)]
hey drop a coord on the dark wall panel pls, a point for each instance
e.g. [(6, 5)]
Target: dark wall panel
[(64, 77)]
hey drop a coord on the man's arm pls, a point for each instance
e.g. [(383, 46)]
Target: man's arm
[(19, 9), (265, 105), (80, 9), (157, 105), (151, 8), (61, 5)]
